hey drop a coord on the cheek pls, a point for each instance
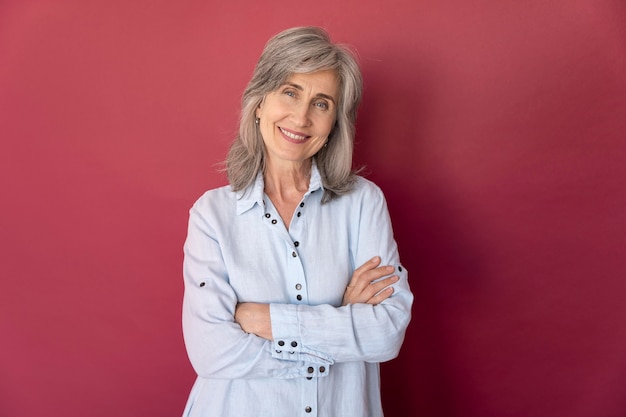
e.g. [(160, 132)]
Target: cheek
[(271, 109), (265, 128), (327, 127)]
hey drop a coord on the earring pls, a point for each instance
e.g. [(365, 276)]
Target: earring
[(257, 120)]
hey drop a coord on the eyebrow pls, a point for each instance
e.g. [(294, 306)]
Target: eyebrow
[(320, 95)]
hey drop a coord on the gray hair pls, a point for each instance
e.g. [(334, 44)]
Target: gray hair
[(300, 50)]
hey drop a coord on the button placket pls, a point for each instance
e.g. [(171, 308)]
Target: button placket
[(298, 277), (309, 394)]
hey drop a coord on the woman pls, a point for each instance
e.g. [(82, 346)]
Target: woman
[(294, 292)]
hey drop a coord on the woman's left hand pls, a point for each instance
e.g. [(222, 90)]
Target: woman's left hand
[(366, 285)]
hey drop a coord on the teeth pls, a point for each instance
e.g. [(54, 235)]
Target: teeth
[(291, 135)]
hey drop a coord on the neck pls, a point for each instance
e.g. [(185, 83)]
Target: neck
[(287, 181)]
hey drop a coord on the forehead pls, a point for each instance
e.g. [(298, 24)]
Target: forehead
[(319, 82)]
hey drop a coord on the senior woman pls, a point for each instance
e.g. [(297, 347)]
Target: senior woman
[(294, 291)]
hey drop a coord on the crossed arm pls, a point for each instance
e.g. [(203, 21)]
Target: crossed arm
[(367, 286)]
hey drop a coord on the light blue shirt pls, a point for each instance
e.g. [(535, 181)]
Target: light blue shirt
[(324, 359)]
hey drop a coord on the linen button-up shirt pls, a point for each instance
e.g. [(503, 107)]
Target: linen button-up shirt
[(324, 357)]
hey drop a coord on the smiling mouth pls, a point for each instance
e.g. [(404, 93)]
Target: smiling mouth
[(292, 135)]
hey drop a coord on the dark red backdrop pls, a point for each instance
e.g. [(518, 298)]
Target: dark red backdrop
[(497, 130)]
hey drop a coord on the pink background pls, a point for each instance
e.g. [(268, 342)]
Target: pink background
[(496, 129)]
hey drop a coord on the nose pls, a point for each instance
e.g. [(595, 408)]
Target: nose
[(301, 115)]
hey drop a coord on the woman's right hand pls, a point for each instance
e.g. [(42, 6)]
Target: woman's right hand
[(363, 289)]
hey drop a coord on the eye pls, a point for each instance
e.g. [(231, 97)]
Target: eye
[(289, 93), (321, 105)]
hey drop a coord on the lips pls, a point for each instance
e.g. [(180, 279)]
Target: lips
[(293, 135)]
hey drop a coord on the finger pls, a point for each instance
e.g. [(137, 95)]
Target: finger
[(370, 294), (374, 288), (359, 291), (381, 296), (371, 264), (373, 275), (367, 266)]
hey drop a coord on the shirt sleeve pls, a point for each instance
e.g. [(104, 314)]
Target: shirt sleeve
[(356, 332), (216, 345)]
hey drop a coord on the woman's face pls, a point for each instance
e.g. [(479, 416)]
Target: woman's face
[(296, 119)]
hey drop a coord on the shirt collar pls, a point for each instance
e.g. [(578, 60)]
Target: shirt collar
[(254, 193)]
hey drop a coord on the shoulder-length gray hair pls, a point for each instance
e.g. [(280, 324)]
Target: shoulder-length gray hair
[(300, 50)]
